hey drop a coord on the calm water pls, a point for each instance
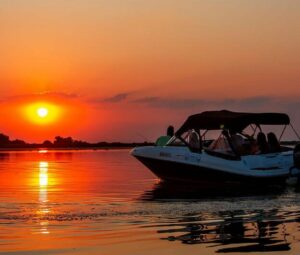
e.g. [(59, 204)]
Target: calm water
[(105, 202)]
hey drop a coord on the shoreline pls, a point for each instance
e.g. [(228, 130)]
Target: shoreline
[(66, 148), (95, 148)]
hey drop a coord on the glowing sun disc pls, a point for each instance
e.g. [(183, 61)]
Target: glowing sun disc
[(42, 112)]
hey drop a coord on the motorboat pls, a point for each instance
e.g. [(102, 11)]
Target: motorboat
[(238, 153)]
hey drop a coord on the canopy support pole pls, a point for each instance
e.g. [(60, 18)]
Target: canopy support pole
[(200, 140), (295, 131), (282, 133)]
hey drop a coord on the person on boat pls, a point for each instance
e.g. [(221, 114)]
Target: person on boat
[(194, 140), (273, 142), (170, 131), (238, 142), (163, 140), (263, 146)]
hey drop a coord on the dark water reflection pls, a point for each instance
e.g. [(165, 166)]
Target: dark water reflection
[(231, 231), (91, 201), (257, 231), (165, 191), (4, 156)]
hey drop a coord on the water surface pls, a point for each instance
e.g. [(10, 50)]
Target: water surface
[(105, 202)]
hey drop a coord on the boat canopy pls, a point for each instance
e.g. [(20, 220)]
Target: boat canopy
[(234, 121)]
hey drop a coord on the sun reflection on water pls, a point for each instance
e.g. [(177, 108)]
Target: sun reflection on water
[(42, 151), (43, 195), (43, 177)]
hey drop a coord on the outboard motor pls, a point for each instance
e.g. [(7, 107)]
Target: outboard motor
[(297, 156)]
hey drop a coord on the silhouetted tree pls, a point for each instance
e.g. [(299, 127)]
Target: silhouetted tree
[(47, 143), (63, 142), (17, 143), (58, 140), (4, 139)]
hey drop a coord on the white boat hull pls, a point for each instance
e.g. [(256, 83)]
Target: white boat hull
[(180, 164)]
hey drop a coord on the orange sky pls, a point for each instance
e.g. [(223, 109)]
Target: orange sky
[(124, 70)]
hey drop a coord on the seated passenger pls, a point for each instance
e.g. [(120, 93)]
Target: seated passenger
[(254, 149), (163, 140), (170, 131), (238, 143), (274, 145), (262, 143), (194, 140)]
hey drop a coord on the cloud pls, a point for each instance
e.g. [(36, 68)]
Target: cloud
[(170, 103), (147, 100), (116, 98), (46, 94), (161, 102), (186, 103), (59, 94), (258, 103)]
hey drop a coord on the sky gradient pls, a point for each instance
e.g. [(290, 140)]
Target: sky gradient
[(124, 70)]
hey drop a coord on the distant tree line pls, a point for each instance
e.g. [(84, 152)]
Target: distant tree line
[(63, 142), (5, 141)]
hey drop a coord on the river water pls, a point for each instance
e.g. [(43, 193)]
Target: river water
[(106, 202)]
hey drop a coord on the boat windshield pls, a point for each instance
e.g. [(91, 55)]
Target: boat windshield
[(190, 138)]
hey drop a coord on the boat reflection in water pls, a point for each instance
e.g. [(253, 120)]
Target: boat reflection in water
[(239, 231), (182, 191), (233, 229)]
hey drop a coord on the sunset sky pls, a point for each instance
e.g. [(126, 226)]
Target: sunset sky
[(124, 70)]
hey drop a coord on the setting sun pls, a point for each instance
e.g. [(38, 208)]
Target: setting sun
[(42, 112)]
